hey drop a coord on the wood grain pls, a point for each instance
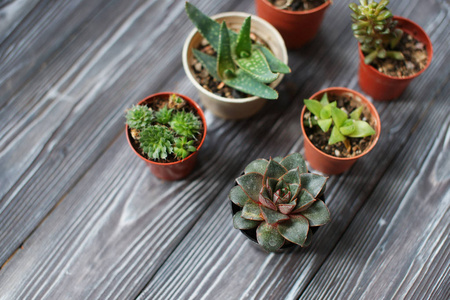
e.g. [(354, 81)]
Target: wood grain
[(92, 221)]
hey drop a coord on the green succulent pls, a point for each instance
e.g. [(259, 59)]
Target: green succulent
[(156, 141), (139, 116), (328, 115), (185, 124), (183, 148), (240, 64), (374, 27), (280, 199), (164, 115)]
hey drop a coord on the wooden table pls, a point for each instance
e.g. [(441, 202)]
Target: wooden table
[(81, 217)]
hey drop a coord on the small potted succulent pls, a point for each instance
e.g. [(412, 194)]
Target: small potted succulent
[(234, 72), (339, 126), (392, 50), (276, 202), (166, 130), (298, 21)]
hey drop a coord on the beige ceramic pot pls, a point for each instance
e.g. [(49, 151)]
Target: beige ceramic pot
[(234, 108)]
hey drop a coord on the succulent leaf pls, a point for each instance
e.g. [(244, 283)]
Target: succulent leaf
[(313, 183), (185, 124), (324, 124), (324, 100), (286, 208), (208, 62), (265, 199), (293, 161), (272, 216), (317, 214), (244, 42), (336, 136), (207, 27), (258, 166), (338, 116), (362, 129), (269, 237), (308, 239), (241, 223), (348, 127), (295, 229), (139, 116), (248, 84), (251, 184), (304, 200), (183, 148), (295, 190), (156, 141), (356, 114), (291, 176), (164, 115), (237, 196), (272, 183), (276, 65), (251, 211), (225, 63), (278, 159), (313, 106), (274, 170), (256, 66)]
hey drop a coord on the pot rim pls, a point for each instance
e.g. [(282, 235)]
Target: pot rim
[(365, 101), (199, 112), (273, 31), (302, 12), (429, 52)]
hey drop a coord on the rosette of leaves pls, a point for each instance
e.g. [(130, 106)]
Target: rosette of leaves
[(183, 147), (156, 141), (327, 115), (279, 199), (239, 64), (375, 29), (185, 124), (164, 115), (139, 116)]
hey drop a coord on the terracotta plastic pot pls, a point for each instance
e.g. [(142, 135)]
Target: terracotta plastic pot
[(329, 164), (383, 87), (174, 170), (296, 27), (243, 107)]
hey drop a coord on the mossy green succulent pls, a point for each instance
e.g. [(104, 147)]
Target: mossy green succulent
[(139, 116), (156, 141), (185, 124), (164, 115), (183, 147)]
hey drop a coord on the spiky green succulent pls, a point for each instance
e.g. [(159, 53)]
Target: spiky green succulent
[(280, 199), (139, 117), (156, 141), (327, 115), (375, 29), (185, 124), (240, 64), (183, 147), (164, 115)]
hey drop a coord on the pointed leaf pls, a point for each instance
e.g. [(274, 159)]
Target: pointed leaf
[(237, 196), (324, 124), (269, 237), (325, 113), (207, 27), (348, 127), (278, 158), (225, 63), (295, 229), (272, 216), (251, 211), (281, 185), (276, 65), (336, 136), (293, 161), (244, 43), (257, 166), (251, 184), (304, 200), (317, 214), (240, 223), (291, 176), (272, 183), (313, 183), (208, 62), (247, 84), (288, 207), (295, 190), (274, 170), (362, 129), (324, 101), (265, 199), (313, 106), (338, 116), (256, 65), (356, 114)]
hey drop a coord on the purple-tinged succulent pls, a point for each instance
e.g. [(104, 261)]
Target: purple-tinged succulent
[(279, 198)]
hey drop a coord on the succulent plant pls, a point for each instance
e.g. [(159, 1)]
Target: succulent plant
[(168, 131), (239, 64), (139, 117), (156, 141), (183, 147), (328, 115), (280, 199), (374, 27), (185, 124)]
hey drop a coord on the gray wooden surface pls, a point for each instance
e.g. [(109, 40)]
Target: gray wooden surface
[(81, 217)]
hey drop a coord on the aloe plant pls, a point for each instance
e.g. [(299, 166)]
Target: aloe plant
[(279, 198), (327, 115), (375, 29), (165, 132), (239, 64)]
